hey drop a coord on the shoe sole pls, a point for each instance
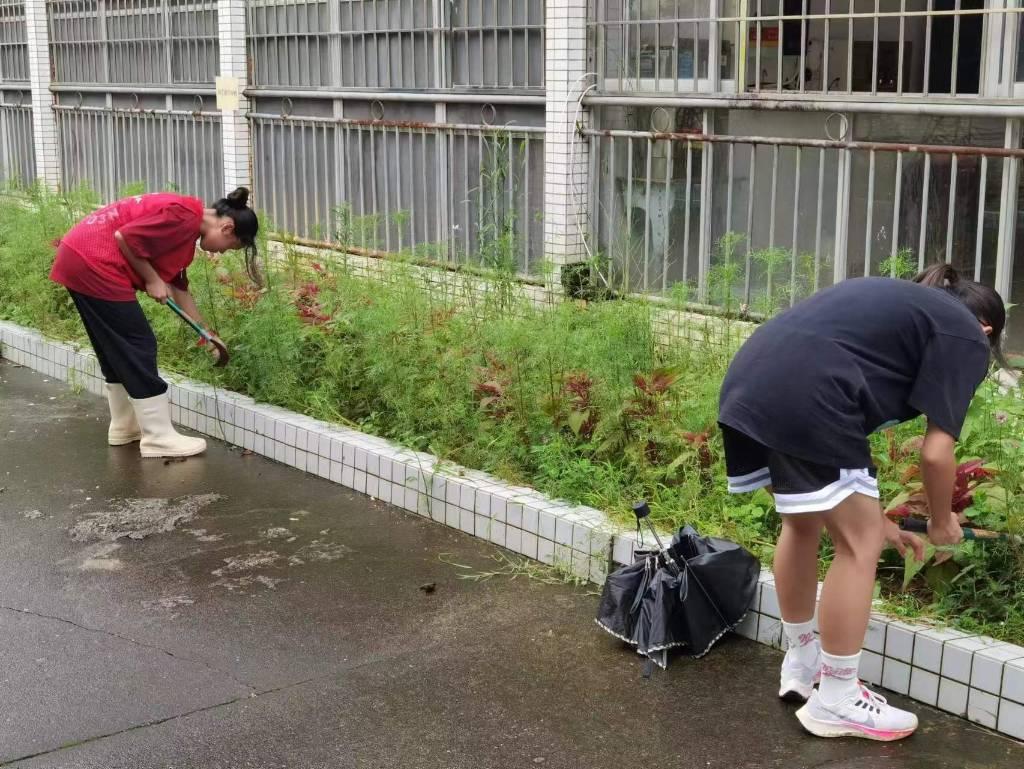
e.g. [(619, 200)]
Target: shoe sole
[(123, 440), (826, 729), (795, 690), (171, 455)]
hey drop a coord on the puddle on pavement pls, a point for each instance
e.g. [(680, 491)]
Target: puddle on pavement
[(249, 562)]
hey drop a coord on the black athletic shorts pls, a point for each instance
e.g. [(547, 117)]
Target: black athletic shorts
[(799, 486)]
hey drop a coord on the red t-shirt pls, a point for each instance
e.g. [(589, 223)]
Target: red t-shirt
[(161, 227)]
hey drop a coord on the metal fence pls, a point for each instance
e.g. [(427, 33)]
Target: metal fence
[(921, 47), (13, 42), (113, 150), (133, 42), (759, 222), (402, 126), (398, 44), (461, 192), (126, 75), (17, 157)]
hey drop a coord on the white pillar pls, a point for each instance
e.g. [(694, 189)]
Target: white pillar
[(235, 135), (566, 155), (44, 124)]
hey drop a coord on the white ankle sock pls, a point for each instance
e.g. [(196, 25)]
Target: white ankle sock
[(802, 642), (838, 677)]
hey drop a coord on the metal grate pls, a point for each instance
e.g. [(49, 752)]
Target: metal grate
[(757, 222), (144, 42), (946, 48), (17, 152), (397, 44), (13, 43), (451, 192), (111, 149)]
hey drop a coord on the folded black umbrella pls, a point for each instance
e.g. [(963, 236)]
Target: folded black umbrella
[(686, 595)]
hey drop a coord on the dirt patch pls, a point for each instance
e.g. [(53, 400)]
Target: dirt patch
[(139, 518), (168, 602), (277, 532), (98, 558), (248, 580), (31, 515), (319, 551), (249, 562), (202, 536)]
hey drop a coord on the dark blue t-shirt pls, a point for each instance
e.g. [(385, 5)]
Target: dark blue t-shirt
[(816, 380)]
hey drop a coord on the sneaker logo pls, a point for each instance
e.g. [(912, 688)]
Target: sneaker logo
[(806, 638)]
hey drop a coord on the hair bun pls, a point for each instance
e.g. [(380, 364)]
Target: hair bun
[(238, 199)]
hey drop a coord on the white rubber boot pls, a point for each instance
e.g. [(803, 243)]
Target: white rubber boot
[(124, 427), (159, 438)]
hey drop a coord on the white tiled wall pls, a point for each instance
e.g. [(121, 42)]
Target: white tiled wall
[(967, 675)]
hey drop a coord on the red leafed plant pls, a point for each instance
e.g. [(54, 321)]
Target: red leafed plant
[(571, 405), (649, 392), (308, 303), (491, 388), (970, 477)]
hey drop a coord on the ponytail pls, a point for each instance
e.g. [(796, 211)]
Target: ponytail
[(984, 303), (235, 206)]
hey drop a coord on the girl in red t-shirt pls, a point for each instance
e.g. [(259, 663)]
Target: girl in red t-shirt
[(144, 243)]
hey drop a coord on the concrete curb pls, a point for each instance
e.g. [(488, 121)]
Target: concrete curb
[(974, 677)]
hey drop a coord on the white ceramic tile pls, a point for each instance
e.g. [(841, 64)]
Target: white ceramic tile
[(622, 550), (546, 528), (983, 708), (359, 481), (324, 468), (770, 601), (438, 484), (513, 538), (928, 647), (482, 526), (499, 507), (373, 486), (769, 631), (360, 459), (1011, 719), (482, 504), (899, 641), (563, 556), (987, 672), (452, 515), (348, 453), (1013, 681), (529, 545), (896, 676), (546, 551), (874, 638), (953, 697), (384, 494), (598, 571), (956, 661), (563, 532), (467, 521), (531, 519), (514, 514), (467, 497), (924, 686), (870, 667), (499, 533), (748, 627)]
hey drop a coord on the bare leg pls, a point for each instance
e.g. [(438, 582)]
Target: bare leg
[(855, 527), (796, 566)]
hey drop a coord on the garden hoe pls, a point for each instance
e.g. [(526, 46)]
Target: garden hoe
[(920, 526), (205, 336)]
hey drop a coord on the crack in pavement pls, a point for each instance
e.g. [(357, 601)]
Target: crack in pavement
[(255, 694), (133, 641)]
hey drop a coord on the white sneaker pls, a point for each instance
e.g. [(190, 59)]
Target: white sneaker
[(797, 680), (864, 714)]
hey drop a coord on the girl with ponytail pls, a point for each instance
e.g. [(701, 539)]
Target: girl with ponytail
[(144, 243), (797, 406)]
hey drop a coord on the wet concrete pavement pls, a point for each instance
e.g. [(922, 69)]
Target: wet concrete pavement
[(281, 623)]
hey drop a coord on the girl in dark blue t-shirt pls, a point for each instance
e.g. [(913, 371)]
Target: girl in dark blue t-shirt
[(797, 406)]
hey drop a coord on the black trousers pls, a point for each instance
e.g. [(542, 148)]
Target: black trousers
[(124, 344)]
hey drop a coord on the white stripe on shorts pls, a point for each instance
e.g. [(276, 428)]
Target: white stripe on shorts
[(744, 484), (850, 482)]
